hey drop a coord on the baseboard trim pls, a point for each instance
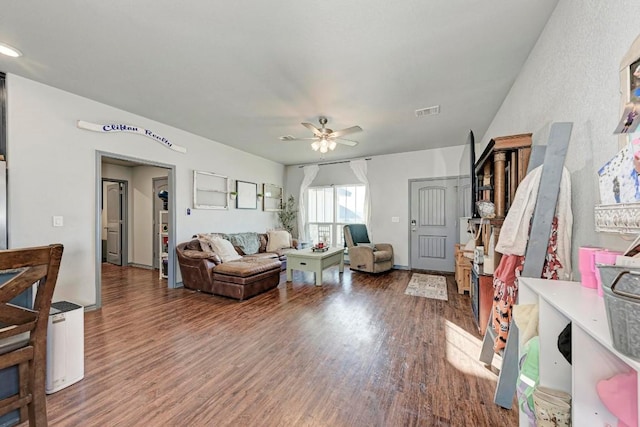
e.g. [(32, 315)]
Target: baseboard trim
[(146, 267)]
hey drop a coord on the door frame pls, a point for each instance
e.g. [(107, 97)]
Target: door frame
[(124, 212), (171, 176), (154, 220), (438, 178)]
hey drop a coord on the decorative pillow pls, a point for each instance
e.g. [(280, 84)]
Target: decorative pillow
[(205, 244), (193, 245), (263, 242), (278, 239), (224, 249), (249, 243)]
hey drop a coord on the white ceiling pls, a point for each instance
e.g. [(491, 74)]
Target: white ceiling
[(245, 72)]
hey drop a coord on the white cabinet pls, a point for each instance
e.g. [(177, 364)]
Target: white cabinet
[(163, 241), (593, 356)]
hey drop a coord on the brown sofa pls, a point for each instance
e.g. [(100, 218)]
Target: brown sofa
[(203, 270)]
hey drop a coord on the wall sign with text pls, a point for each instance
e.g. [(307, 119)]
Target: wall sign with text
[(118, 127)]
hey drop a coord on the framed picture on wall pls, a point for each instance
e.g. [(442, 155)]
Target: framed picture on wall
[(247, 195), (634, 82)]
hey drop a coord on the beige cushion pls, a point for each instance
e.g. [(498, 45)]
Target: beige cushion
[(278, 239), (224, 249), (369, 245)]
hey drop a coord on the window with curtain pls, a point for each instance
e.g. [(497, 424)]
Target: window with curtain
[(330, 208)]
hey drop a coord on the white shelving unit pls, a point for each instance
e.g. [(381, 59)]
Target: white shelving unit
[(163, 241), (593, 356)]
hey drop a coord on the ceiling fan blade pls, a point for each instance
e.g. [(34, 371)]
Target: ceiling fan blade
[(348, 142), (339, 133), (312, 128), (292, 138)]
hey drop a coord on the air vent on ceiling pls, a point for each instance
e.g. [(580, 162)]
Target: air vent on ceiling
[(287, 138), (430, 111)]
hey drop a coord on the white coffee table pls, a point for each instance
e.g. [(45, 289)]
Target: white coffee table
[(307, 260)]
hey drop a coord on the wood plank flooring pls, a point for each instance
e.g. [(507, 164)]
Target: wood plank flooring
[(354, 352)]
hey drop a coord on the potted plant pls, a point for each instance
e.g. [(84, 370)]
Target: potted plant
[(233, 194), (288, 214)]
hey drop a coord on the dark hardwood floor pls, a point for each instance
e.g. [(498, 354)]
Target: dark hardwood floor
[(354, 352)]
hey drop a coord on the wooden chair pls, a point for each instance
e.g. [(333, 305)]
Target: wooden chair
[(23, 332)]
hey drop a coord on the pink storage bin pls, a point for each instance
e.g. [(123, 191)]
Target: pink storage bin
[(587, 266)]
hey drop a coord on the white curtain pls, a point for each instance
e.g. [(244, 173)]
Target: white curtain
[(359, 168), (310, 173)]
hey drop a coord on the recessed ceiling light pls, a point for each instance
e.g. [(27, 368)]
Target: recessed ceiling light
[(5, 49)]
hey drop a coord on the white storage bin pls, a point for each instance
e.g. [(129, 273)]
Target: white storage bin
[(65, 346)]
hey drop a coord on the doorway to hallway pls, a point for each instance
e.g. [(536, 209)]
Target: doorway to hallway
[(126, 215)]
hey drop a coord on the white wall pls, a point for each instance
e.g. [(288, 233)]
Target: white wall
[(572, 75), (52, 171), (389, 177)]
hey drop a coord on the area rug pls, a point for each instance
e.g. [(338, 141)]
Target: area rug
[(428, 286)]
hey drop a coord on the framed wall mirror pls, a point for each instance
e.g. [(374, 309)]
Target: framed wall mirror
[(210, 190), (247, 195), (271, 198)]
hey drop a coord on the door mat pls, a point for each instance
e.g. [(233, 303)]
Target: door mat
[(428, 286)]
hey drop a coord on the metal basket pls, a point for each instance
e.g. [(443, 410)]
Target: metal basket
[(608, 273), (622, 301)]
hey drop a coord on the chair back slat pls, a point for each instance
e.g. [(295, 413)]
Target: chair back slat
[(10, 313), (21, 282), (14, 330), (26, 257)]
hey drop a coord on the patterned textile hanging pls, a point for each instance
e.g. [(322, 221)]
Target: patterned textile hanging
[(505, 285)]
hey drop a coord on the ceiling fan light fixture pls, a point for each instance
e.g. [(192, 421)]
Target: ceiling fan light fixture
[(323, 149), (332, 145), (11, 51), (315, 146)]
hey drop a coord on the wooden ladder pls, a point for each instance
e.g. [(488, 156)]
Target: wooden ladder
[(547, 198)]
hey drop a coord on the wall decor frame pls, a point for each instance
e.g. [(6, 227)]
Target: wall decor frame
[(272, 197), (247, 195), (210, 190), (622, 217)]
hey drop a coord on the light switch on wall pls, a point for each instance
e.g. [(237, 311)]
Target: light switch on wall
[(395, 219), (58, 221)]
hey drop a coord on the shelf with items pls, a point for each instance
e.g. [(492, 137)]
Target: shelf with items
[(500, 169), (163, 242), (272, 198), (594, 358)]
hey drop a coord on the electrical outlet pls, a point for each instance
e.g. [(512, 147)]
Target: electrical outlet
[(58, 221), (395, 219)]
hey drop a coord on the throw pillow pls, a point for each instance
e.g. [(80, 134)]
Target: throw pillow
[(224, 249), (249, 243), (278, 239)]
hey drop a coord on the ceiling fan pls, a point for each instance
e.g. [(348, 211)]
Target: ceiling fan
[(325, 139)]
